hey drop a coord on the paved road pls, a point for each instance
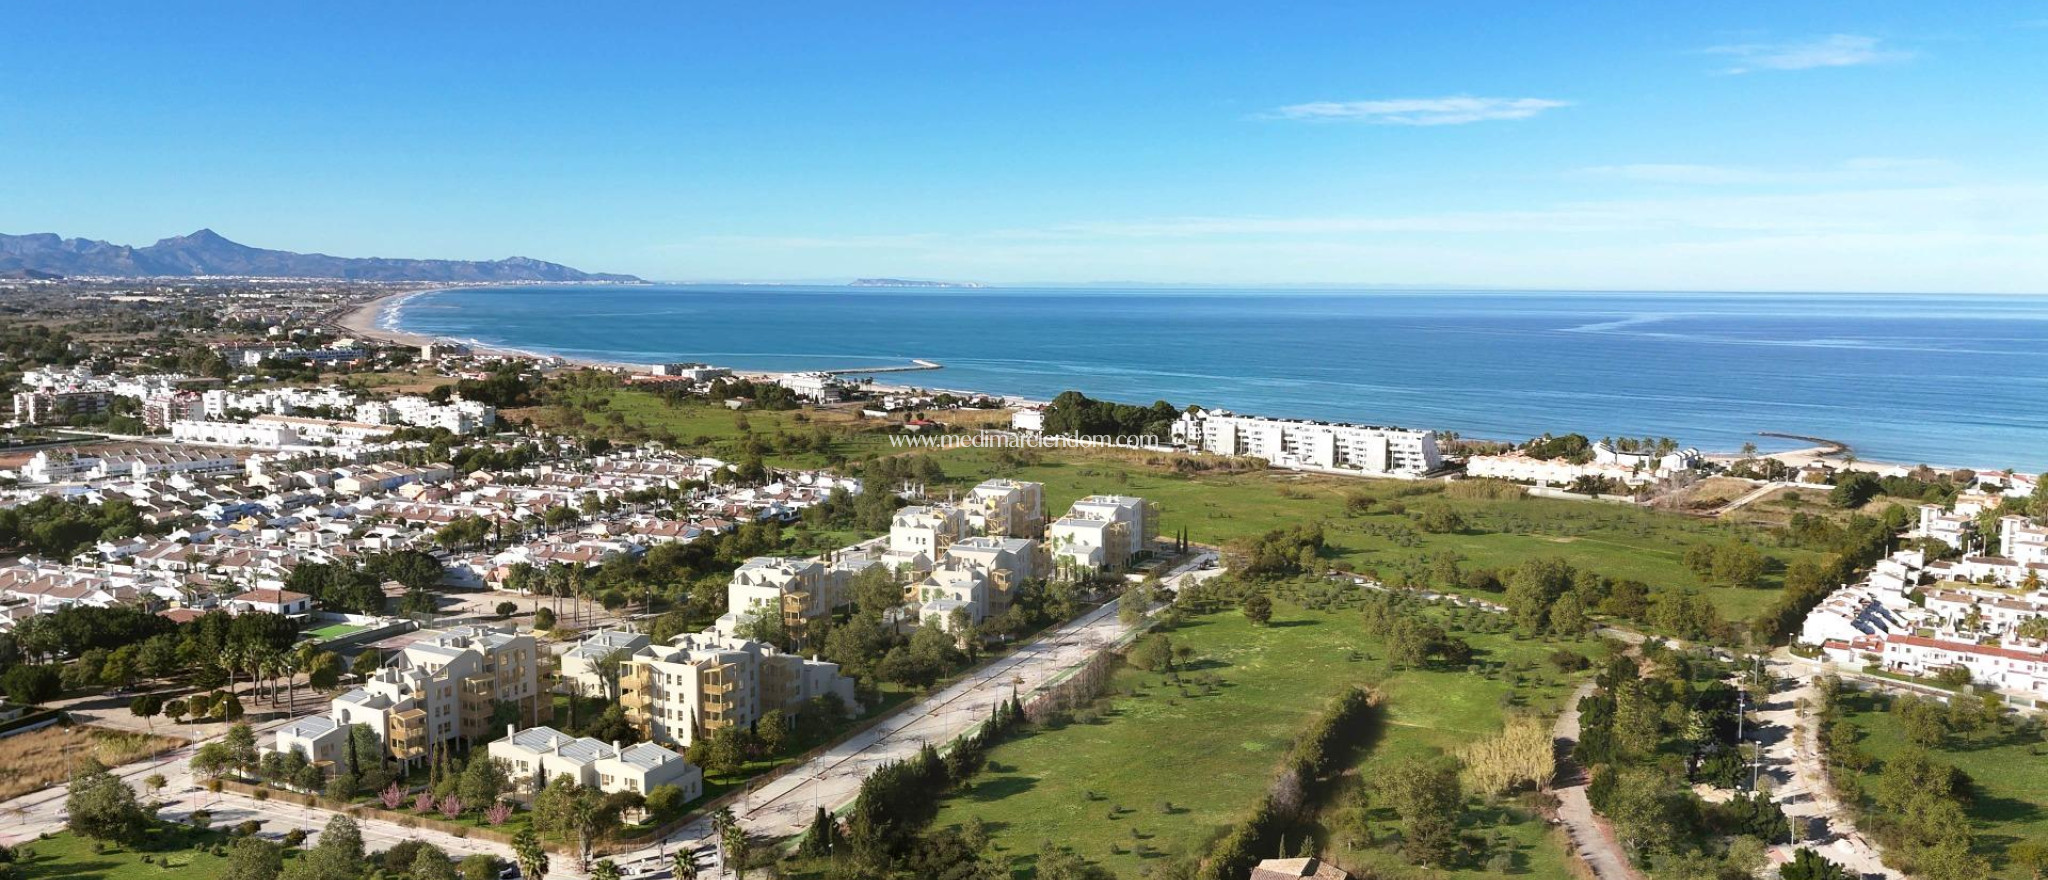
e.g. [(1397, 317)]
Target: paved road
[(1591, 836), (24, 818), (785, 807), (1793, 753)]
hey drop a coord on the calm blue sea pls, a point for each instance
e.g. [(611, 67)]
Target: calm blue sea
[(1947, 380)]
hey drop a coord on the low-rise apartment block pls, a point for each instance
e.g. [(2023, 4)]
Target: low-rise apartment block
[(1100, 533), (443, 689), (537, 756), (701, 682), (1309, 445)]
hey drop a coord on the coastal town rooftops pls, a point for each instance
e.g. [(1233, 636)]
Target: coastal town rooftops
[(266, 596)]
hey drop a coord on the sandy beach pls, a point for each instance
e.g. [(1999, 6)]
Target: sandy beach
[(364, 321)]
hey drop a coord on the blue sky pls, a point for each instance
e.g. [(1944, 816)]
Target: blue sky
[(1749, 146)]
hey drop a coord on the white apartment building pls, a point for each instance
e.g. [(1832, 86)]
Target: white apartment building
[(692, 372), (926, 529), (1007, 562), (798, 590), (1030, 419), (580, 664), (539, 755), (1661, 464), (443, 689), (317, 738), (252, 434), (2021, 541), (327, 430), (1100, 533), (457, 416), (1849, 614), (951, 587), (2021, 667), (1310, 445), (159, 411), (701, 682), (1953, 529), (1007, 508), (814, 387)]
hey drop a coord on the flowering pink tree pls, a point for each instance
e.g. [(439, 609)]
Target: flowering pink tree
[(498, 814), (451, 806), (393, 796), (423, 802)]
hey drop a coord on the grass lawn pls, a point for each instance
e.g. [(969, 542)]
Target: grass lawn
[(1210, 756), (174, 848), (704, 426), (334, 631), (2010, 779), (1616, 540)]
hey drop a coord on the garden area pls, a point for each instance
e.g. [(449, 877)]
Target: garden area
[(1102, 785), (1895, 751), (167, 852), (1375, 525)]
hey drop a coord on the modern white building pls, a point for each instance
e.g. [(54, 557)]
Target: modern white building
[(701, 682), (537, 756), (581, 665), (814, 387), (692, 372), (319, 739), (1100, 533), (1309, 445), (1007, 508), (443, 689), (1936, 522), (457, 416), (926, 529), (2019, 667), (1029, 418)]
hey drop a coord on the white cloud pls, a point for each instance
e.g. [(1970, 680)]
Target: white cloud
[(1834, 50), (1455, 110)]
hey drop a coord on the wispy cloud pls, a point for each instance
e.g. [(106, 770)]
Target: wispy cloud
[(1454, 110), (1834, 50)]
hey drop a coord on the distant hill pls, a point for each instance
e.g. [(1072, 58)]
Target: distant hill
[(207, 253), (901, 282)]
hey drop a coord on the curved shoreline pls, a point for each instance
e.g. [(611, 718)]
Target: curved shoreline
[(365, 320)]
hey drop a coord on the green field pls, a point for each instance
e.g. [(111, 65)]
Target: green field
[(705, 426), (1210, 756), (173, 848), (2009, 776), (1615, 540), (334, 631)]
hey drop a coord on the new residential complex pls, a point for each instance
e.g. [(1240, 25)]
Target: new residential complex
[(1310, 445), (701, 682), (441, 689)]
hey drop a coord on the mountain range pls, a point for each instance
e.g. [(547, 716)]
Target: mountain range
[(207, 253)]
